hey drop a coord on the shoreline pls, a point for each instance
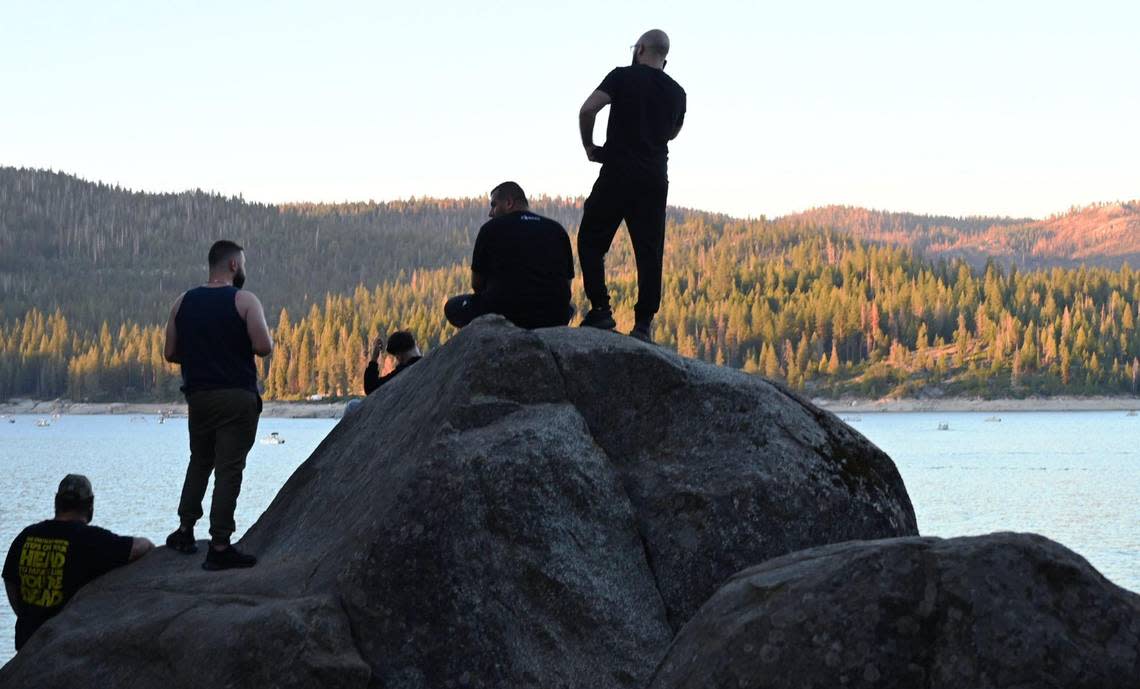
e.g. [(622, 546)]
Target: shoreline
[(969, 404), (333, 410), (270, 410)]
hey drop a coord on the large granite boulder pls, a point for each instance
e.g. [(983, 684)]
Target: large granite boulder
[(1004, 610), (521, 508)]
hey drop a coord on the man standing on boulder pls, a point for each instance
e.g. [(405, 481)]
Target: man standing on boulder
[(647, 109), (214, 331), (48, 562), (521, 267)]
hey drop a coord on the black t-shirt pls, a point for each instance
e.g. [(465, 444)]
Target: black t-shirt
[(526, 262), (646, 107), (48, 562)]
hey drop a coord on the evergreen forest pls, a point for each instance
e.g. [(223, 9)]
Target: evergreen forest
[(88, 272)]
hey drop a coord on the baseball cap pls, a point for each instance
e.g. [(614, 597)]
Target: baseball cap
[(75, 485), (400, 342)]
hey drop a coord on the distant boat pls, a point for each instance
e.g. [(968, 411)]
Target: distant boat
[(1131, 412), (273, 439), (852, 419), (993, 418), (943, 426), (43, 423)]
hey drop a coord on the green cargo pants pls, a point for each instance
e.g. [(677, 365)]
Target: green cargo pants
[(223, 427)]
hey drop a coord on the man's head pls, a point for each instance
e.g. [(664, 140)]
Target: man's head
[(506, 198), (227, 262), (74, 498), (651, 49), (402, 345)]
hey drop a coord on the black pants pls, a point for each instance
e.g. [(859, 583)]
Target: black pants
[(642, 206), (465, 308)]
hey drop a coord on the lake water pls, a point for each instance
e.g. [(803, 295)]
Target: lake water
[(1071, 476)]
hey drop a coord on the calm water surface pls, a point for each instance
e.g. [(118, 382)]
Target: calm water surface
[(1071, 476)]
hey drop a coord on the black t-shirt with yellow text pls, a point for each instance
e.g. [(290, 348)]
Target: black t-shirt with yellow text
[(50, 561)]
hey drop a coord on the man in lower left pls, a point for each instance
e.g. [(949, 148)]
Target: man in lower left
[(50, 561)]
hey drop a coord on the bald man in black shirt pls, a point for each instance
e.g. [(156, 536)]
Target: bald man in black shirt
[(647, 109)]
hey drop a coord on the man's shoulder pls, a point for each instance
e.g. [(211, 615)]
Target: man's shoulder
[(243, 296), (670, 81), (97, 532), (530, 217), (46, 527)]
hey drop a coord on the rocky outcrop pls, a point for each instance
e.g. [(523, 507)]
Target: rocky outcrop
[(1004, 610), (521, 508)]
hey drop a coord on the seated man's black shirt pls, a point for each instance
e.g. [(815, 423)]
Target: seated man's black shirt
[(527, 265), (48, 562), (646, 108)]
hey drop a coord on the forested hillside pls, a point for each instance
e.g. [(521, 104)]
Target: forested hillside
[(1105, 234), (102, 253), (822, 310)]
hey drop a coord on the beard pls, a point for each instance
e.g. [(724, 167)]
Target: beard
[(239, 279)]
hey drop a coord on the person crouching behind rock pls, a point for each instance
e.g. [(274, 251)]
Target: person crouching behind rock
[(403, 350), (521, 267), (50, 561)]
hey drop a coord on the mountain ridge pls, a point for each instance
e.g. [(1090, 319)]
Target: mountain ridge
[(1104, 234)]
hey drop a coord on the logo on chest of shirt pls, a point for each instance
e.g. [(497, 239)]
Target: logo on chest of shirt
[(41, 571)]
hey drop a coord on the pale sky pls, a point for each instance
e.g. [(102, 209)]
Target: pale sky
[(964, 107)]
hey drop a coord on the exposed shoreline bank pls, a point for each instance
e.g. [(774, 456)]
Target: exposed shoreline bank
[(967, 404), (332, 410), (278, 410)]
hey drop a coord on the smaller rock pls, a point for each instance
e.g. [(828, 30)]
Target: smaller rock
[(1003, 610)]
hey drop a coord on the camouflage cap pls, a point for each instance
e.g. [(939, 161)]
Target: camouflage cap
[(75, 485)]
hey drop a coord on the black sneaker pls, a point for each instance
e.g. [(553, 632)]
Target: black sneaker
[(643, 330), (230, 558), (603, 319), (183, 541)]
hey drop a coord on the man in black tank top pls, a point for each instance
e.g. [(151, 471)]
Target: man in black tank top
[(647, 109), (214, 331)]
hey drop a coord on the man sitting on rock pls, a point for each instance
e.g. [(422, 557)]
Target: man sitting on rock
[(521, 267), (402, 347), (49, 561)]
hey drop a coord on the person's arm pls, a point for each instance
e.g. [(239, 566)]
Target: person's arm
[(587, 115), (13, 591), (139, 547), (481, 257), (680, 118), (372, 371), (249, 307), (170, 349)]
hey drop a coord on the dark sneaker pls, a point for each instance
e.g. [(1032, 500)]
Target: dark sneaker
[(230, 558), (182, 541), (603, 319), (643, 330)]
